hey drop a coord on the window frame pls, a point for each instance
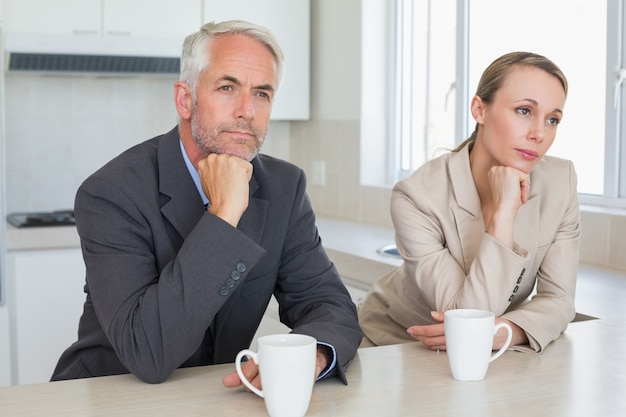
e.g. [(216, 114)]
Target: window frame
[(614, 193)]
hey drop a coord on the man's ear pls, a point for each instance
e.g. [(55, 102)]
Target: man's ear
[(477, 107), (183, 100)]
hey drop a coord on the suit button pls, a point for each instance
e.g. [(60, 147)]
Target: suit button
[(235, 275), (230, 283), (223, 291), (241, 266)]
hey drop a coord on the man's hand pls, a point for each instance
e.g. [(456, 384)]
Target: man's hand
[(225, 181), (323, 359), (251, 370)]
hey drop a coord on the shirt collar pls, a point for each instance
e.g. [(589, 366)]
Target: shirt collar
[(194, 173)]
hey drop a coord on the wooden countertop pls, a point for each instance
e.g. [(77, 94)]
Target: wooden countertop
[(580, 374)]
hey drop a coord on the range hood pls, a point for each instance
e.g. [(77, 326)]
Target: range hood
[(95, 55)]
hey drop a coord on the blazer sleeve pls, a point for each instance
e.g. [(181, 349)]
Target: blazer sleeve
[(311, 295), (552, 308), (154, 316)]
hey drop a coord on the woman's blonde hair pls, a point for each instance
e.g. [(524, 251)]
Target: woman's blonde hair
[(494, 75)]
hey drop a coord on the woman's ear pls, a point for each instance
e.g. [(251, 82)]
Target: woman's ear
[(477, 107), (183, 100)]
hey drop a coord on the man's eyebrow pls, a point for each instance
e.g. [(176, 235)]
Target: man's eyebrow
[(235, 80), (231, 79)]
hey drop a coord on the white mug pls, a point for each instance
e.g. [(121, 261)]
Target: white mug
[(287, 369), (469, 340)]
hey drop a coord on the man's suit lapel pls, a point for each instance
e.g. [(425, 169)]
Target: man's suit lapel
[(184, 206), (252, 223)]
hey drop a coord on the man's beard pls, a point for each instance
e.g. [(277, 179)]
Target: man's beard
[(209, 142)]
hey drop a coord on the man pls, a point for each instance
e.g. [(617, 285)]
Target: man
[(187, 236)]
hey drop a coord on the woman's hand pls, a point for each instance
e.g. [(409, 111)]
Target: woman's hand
[(509, 190), (432, 335), (519, 336)]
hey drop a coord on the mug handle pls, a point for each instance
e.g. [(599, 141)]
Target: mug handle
[(509, 336), (253, 355)]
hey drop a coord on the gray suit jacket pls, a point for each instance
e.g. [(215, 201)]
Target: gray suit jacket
[(450, 262), (169, 285)]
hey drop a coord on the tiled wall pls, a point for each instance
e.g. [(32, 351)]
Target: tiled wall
[(336, 143), (59, 129), (603, 237)]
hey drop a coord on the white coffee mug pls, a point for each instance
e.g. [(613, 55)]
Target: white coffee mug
[(469, 341), (287, 369)]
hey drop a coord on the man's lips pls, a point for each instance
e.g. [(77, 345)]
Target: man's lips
[(527, 154), (238, 133)]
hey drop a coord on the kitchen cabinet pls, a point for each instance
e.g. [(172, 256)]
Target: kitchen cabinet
[(5, 348), (152, 19), (45, 299), (141, 18), (290, 22), (58, 17)]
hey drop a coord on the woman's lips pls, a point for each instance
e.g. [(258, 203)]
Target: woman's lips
[(527, 154)]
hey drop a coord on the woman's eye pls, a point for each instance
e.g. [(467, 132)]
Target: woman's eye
[(554, 121), (523, 111)]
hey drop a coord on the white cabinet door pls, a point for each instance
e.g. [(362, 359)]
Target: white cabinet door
[(151, 18), (142, 18), (46, 300), (290, 22), (5, 347), (59, 17)]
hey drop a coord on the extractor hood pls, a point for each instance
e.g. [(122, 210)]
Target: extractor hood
[(96, 55)]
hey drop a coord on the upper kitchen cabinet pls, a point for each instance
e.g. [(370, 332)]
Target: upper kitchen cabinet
[(58, 17), (152, 19), (140, 18), (290, 22)]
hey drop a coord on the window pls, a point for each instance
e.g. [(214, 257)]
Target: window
[(443, 47), (426, 93)]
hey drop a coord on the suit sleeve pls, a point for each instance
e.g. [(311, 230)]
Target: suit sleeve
[(154, 316), (312, 298)]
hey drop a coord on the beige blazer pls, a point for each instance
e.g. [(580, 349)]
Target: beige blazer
[(450, 262)]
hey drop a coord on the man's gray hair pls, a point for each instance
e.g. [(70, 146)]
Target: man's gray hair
[(194, 59)]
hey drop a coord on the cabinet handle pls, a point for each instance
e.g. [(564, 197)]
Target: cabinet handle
[(118, 33), (84, 32)]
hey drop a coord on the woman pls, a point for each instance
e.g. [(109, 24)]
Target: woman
[(493, 225)]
